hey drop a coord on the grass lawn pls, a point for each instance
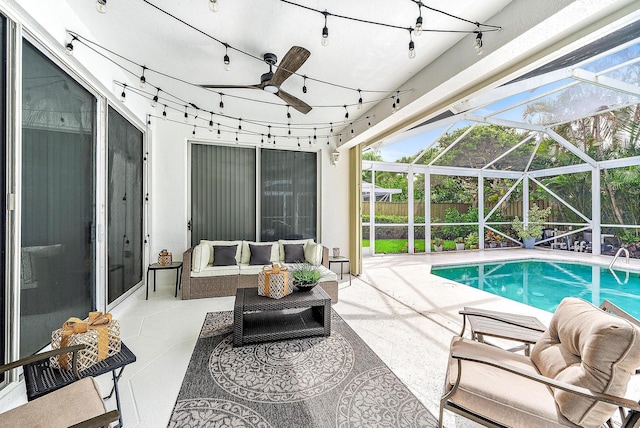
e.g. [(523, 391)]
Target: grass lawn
[(394, 246)]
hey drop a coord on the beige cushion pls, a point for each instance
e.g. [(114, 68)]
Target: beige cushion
[(282, 242), (313, 253), (226, 244), (217, 271), (504, 397), (246, 251), (587, 347), (200, 257), (70, 405)]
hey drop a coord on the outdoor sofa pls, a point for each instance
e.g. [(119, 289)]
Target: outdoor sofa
[(201, 277)]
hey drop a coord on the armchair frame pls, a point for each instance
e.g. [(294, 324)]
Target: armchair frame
[(102, 420)]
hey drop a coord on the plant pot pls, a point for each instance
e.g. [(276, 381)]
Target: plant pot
[(437, 248), (305, 287), (492, 245), (529, 243), (459, 247), (504, 245)]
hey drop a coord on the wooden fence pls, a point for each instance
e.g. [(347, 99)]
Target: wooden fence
[(438, 210)]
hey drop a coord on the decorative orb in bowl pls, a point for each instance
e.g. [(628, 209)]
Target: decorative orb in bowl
[(305, 287)]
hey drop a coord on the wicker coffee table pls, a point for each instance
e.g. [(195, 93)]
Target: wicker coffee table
[(261, 319)]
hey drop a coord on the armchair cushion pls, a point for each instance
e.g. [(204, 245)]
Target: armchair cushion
[(59, 408), (587, 347)]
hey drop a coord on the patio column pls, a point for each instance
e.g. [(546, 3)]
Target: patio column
[(525, 200), (481, 211), (427, 210), (596, 213), (410, 236), (372, 213)]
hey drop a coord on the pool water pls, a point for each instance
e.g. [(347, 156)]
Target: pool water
[(543, 284)]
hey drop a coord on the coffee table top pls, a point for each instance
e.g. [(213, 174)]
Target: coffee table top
[(248, 299)]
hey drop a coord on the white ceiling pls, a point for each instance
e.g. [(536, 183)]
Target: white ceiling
[(359, 55)]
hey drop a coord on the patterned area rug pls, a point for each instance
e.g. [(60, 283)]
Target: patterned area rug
[(314, 382)]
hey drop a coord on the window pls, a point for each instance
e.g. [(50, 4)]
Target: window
[(57, 276)]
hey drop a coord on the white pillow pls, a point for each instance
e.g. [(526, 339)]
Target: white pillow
[(246, 251), (200, 257), (282, 242), (225, 243), (313, 253)]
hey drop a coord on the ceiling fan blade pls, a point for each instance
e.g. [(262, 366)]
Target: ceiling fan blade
[(259, 86), (294, 102), (292, 61)]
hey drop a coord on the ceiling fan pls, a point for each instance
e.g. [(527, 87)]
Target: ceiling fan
[(270, 81)]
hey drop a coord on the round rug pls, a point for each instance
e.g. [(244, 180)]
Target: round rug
[(378, 398), (282, 372), (211, 412)]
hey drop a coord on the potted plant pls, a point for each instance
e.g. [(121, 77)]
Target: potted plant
[(472, 240), (532, 230), (491, 238), (305, 276), (459, 243), (437, 244)]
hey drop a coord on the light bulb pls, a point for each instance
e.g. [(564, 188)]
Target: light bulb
[(211, 126), (289, 118), (418, 30), (143, 81), (164, 113), (186, 117), (123, 96), (227, 63), (219, 134), (69, 47), (325, 36), (221, 107), (360, 104), (101, 6), (213, 5), (155, 101), (477, 43), (412, 50)]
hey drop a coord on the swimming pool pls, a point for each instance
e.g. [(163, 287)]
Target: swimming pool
[(543, 284)]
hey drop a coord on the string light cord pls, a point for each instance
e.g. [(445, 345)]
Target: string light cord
[(488, 28), (180, 105), (90, 45), (259, 58)]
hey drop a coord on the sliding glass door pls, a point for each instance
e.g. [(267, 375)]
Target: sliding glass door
[(57, 277), (125, 205)]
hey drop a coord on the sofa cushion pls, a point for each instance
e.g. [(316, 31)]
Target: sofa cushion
[(260, 254), (224, 255), (293, 253), (585, 346), (226, 243), (200, 257), (282, 242), (327, 274), (217, 271), (246, 252), (313, 253)]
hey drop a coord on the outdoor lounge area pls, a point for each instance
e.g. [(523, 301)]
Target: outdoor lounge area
[(276, 213)]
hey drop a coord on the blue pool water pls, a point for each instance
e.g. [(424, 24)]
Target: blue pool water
[(543, 284)]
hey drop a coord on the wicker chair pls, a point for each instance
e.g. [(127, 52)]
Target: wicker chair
[(576, 376), (77, 405)]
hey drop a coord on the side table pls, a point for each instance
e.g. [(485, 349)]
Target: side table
[(157, 266), (342, 261)]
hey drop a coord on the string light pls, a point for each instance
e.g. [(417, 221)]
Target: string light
[(288, 114), (186, 115), (239, 124), (194, 130), (156, 97), (412, 46), (69, 46), (298, 141), (477, 43), (164, 112), (289, 131), (213, 5), (219, 134), (325, 31), (304, 84), (261, 138), (211, 123), (101, 6), (143, 80), (352, 129), (227, 61), (360, 100), (315, 138), (398, 98), (221, 105), (236, 137), (393, 106), (346, 114), (418, 30), (269, 135), (331, 124), (123, 95)]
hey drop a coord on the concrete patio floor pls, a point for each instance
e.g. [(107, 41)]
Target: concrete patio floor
[(405, 314)]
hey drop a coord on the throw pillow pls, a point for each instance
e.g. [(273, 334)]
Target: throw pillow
[(313, 253), (224, 255), (293, 253), (200, 257), (260, 254)]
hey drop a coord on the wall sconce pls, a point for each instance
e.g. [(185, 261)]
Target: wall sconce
[(335, 157)]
